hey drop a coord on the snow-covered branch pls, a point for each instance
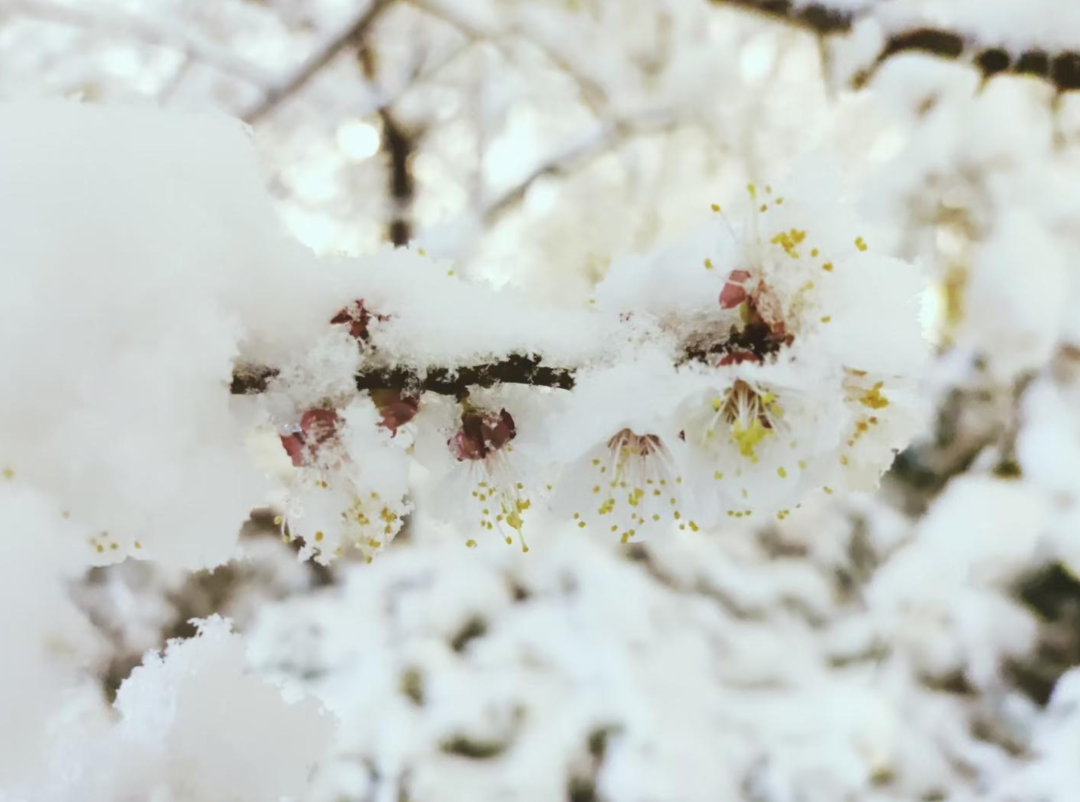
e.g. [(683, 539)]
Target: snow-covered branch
[(456, 381), (991, 49)]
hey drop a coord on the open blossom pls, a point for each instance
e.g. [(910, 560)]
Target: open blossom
[(630, 486), (883, 414), (625, 462), (759, 437), (349, 486), (488, 483), (803, 272)]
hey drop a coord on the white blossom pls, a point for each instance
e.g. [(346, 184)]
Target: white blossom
[(625, 477), (761, 436), (348, 490)]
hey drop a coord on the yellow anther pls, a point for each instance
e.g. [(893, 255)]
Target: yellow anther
[(873, 398)]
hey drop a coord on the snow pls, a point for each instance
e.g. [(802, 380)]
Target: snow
[(833, 639)]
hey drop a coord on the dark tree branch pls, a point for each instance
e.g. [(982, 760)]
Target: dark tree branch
[(817, 17), (512, 369), (754, 341), (398, 145), (1061, 69)]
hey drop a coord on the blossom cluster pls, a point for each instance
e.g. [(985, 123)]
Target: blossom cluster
[(770, 354), (766, 355)]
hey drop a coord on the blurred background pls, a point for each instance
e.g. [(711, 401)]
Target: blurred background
[(918, 644)]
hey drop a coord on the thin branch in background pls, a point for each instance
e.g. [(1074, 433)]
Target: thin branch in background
[(398, 145), (577, 156), (165, 95), (163, 34), (592, 93), (349, 37)]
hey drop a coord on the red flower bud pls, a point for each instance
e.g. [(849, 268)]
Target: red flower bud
[(733, 292), (737, 358), (317, 426), (294, 447), (358, 318), (482, 434), (395, 408)]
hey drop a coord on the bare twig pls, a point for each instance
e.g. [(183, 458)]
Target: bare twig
[(577, 155), (348, 37), (592, 94)]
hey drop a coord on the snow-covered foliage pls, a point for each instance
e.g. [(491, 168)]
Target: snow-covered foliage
[(710, 434)]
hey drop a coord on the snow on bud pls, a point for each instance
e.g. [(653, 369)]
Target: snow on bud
[(350, 484), (482, 434), (358, 318), (302, 442)]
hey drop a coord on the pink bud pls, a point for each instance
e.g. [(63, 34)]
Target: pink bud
[(395, 407), (737, 358), (358, 319), (317, 425), (733, 292), (482, 434), (294, 447)]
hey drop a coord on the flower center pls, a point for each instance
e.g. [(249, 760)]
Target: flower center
[(749, 415)]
